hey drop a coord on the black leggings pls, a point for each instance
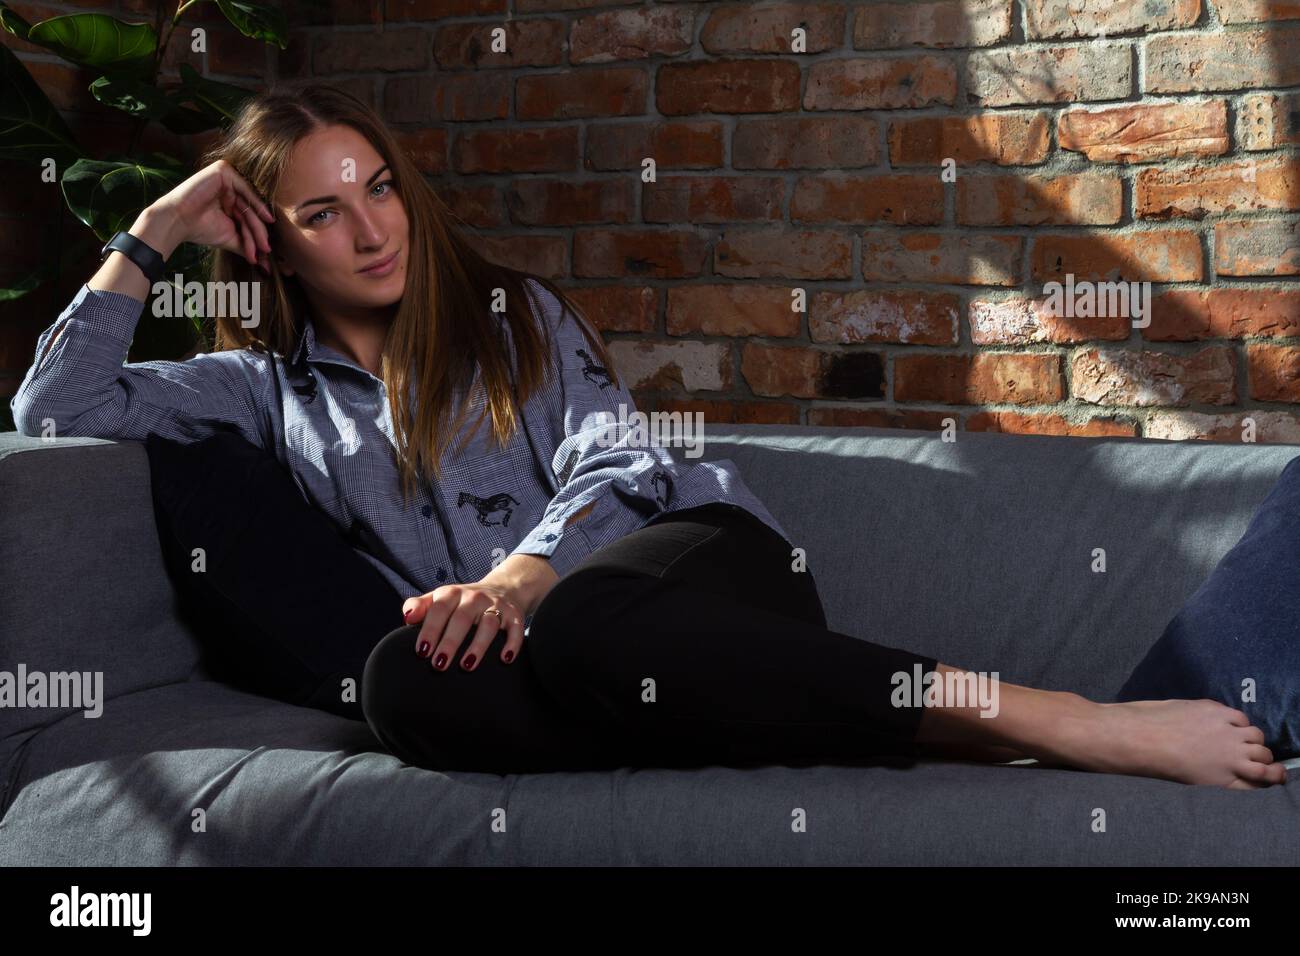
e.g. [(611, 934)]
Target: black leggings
[(689, 642)]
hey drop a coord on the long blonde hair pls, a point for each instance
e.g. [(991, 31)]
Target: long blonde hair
[(442, 327)]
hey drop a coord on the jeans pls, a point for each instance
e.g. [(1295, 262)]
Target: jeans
[(689, 642)]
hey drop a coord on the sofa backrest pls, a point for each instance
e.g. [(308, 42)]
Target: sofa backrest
[(980, 551), (82, 583)]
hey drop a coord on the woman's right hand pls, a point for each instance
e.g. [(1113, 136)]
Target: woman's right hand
[(217, 207)]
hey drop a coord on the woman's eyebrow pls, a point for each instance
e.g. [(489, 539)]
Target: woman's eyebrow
[(323, 199)]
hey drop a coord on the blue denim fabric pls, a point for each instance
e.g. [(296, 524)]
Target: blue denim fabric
[(1242, 624)]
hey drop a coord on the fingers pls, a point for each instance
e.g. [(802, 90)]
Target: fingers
[(256, 230), (448, 614), (245, 192)]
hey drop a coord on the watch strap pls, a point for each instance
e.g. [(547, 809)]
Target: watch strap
[(141, 253)]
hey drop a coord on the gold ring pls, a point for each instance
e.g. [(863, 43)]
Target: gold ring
[(493, 610)]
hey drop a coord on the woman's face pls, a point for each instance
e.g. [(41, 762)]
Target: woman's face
[(337, 210)]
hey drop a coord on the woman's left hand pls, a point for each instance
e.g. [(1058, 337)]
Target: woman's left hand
[(450, 611)]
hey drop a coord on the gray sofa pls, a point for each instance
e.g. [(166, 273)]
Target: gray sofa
[(977, 551)]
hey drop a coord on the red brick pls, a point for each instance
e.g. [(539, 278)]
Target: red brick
[(1195, 192), (1256, 11), (1237, 60), (1120, 377), (427, 149), (1021, 321), (1142, 134), (919, 318), (391, 51), (695, 144), (1019, 423), (728, 86), (1010, 199), (1019, 138), (982, 378), (631, 34), (1274, 372), (1172, 255), (706, 199), (666, 366), (1011, 77), (439, 9), (962, 259), (903, 199), (661, 253), (479, 206), (1183, 426), (1054, 19), (931, 23), (735, 309), (830, 142), (468, 46), (725, 412), (812, 373), (580, 93), (559, 202), (748, 28), (1181, 315), (534, 150), (541, 255), (618, 308), (1257, 247), (781, 253), (888, 83), (455, 97), (1268, 121)]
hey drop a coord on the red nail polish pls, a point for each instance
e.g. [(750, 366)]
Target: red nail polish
[(442, 659), (468, 661), (509, 656), (423, 649)]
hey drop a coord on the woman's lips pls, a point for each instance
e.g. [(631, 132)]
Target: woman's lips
[(383, 268)]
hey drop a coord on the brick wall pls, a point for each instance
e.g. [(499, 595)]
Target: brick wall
[(1149, 141)]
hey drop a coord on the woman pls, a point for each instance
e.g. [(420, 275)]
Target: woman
[(667, 625)]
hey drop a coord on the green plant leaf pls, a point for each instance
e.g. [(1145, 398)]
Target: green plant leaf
[(23, 286), (221, 101), (13, 22), (99, 41), (108, 195), (31, 129), (145, 101), (256, 20)]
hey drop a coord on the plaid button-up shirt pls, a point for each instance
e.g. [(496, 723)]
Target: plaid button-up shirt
[(333, 430)]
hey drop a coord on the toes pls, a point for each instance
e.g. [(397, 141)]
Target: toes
[(1236, 717), (1261, 774), (1240, 784), (1260, 754), (1255, 736)]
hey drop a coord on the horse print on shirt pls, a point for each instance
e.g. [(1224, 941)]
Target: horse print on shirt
[(591, 371), (486, 507), (658, 478), (562, 476)]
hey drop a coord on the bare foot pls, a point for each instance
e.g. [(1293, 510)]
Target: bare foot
[(1189, 741)]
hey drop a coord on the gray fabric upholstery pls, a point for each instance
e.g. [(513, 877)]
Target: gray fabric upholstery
[(977, 551)]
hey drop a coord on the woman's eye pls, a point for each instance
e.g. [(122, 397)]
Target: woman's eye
[(386, 182)]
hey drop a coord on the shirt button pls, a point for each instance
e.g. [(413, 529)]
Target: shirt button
[(426, 510), (441, 574)]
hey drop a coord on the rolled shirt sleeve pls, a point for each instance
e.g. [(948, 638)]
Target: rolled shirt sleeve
[(595, 455), (82, 386)]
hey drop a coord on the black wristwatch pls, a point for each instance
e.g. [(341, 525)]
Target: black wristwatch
[(141, 253)]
